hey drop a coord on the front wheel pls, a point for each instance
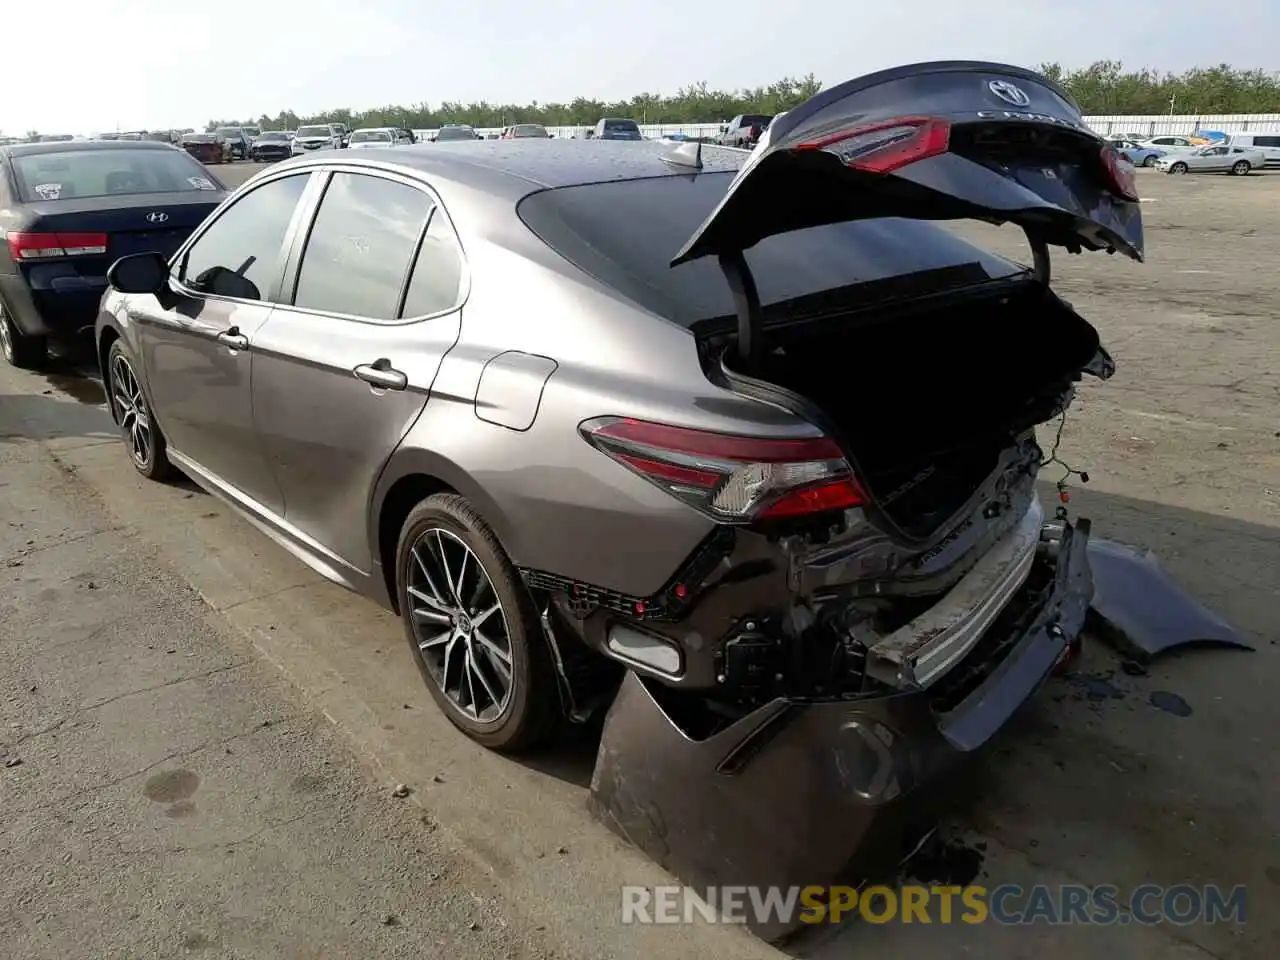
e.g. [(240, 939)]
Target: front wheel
[(1178, 168), (472, 627), (1149, 161), (132, 413), (21, 350), (1241, 168)]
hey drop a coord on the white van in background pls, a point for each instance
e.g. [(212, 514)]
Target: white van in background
[(1268, 142)]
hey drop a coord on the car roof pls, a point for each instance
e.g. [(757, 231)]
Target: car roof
[(554, 163), (28, 149)]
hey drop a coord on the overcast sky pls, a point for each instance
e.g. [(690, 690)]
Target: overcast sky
[(80, 66)]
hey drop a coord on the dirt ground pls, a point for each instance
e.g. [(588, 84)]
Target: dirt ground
[(1101, 782)]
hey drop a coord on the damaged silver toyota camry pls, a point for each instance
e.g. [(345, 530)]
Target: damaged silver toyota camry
[(749, 434)]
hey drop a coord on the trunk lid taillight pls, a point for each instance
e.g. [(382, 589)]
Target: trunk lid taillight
[(727, 477), (25, 247)]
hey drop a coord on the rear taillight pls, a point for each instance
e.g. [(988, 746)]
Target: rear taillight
[(730, 478), (50, 246), (1119, 175), (886, 145)]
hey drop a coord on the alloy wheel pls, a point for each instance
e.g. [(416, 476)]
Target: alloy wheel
[(459, 625), (131, 410), (6, 341)]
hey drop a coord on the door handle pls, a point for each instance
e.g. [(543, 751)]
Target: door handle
[(233, 338), (381, 374)]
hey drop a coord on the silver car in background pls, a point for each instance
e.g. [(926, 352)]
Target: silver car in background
[(377, 138), (1214, 158), (317, 136)]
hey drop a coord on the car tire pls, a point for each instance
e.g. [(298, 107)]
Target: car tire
[(132, 411), (22, 350), (1178, 167), (1241, 168), (496, 685), (1149, 160)]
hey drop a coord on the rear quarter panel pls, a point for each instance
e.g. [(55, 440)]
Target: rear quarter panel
[(556, 503)]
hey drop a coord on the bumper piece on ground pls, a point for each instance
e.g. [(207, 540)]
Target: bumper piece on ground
[(801, 793), (1141, 611)]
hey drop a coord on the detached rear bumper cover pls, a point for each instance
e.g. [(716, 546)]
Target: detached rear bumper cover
[(798, 793)]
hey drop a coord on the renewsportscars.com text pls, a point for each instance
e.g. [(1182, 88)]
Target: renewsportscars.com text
[(1006, 904)]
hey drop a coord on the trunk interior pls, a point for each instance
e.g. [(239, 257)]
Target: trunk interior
[(926, 398)]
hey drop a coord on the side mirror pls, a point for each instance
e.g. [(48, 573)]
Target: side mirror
[(139, 273)]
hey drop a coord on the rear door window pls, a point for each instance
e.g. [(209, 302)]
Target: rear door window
[(240, 254), (436, 283), (360, 247)]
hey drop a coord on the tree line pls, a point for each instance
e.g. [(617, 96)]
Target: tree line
[(1103, 88)]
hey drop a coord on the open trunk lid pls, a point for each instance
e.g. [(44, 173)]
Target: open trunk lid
[(946, 140)]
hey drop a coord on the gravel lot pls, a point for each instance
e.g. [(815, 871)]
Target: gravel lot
[(1097, 784)]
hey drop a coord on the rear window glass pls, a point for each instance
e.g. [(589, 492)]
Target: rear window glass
[(106, 173), (314, 132), (755, 120), (624, 233), (622, 126), (370, 136)]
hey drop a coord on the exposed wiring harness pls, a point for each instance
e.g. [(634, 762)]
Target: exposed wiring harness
[(1069, 471)]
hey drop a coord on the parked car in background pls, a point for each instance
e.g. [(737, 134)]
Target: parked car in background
[(525, 131), (317, 136), (744, 130), (1168, 144), (68, 211), (271, 145), (1214, 158), (374, 138), (207, 147), (456, 131), (1268, 143), (252, 132), (236, 140), (616, 129), (1136, 154)]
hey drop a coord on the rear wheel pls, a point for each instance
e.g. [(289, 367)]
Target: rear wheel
[(1178, 167), (132, 412), (1241, 168), (22, 350), (472, 627)]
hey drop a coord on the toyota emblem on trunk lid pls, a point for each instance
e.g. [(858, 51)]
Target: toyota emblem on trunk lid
[(1009, 93)]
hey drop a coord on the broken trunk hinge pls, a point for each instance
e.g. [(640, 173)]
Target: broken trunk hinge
[(746, 303)]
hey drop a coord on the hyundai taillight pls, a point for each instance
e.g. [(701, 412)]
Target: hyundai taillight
[(886, 145), (731, 478), (49, 246), (1119, 174)]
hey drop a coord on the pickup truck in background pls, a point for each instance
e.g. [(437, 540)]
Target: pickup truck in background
[(743, 130)]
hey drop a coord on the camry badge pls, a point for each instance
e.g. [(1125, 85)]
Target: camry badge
[(157, 217), (1009, 93)]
